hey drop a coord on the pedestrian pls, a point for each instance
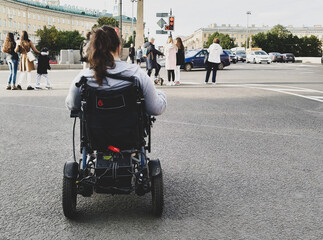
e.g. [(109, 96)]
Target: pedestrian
[(104, 58), (12, 60), (132, 53), (180, 59), (43, 66), (26, 64), (139, 55), (83, 50), (213, 60), (170, 57), (151, 60)]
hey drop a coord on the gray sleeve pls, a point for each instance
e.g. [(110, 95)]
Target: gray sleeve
[(73, 99), (156, 101)]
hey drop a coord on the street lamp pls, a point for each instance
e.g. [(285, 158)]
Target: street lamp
[(248, 13), (132, 1)]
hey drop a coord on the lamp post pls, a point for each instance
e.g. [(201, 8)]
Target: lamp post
[(133, 40), (248, 13)]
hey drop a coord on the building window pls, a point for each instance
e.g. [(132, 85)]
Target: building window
[(24, 14), (53, 19), (63, 21), (29, 15), (14, 12), (39, 17), (39, 27), (14, 25), (73, 22), (19, 14), (58, 20), (34, 16), (19, 26), (82, 23), (68, 21), (29, 27), (4, 23), (4, 10), (77, 23), (24, 26)]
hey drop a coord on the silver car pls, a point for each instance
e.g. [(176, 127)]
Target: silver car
[(258, 57)]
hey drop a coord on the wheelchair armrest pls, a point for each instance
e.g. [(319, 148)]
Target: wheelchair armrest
[(75, 113)]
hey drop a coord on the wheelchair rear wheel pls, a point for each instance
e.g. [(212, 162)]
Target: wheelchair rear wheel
[(157, 192), (69, 197)]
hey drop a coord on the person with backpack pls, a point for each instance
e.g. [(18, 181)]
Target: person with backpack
[(83, 50), (151, 62), (12, 60)]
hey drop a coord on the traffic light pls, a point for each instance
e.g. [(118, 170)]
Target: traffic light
[(167, 27), (171, 23)]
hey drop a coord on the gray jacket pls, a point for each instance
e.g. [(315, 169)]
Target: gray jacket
[(155, 99)]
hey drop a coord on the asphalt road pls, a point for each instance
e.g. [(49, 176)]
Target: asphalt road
[(241, 160)]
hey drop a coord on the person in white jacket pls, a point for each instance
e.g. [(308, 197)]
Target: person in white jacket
[(213, 61), (170, 65)]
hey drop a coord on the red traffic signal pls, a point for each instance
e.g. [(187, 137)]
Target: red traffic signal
[(166, 27), (171, 23)]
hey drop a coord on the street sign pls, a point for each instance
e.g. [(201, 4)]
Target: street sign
[(161, 23), (161, 32), (161, 14)]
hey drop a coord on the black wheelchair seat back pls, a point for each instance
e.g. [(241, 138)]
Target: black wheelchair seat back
[(114, 117)]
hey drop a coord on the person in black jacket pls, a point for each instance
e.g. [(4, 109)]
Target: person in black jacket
[(180, 59), (151, 62), (132, 53), (43, 65)]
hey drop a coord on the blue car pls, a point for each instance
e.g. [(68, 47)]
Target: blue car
[(195, 59)]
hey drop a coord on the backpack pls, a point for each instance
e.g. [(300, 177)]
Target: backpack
[(144, 52)]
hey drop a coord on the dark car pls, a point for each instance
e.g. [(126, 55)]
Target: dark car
[(288, 57), (233, 57), (241, 56), (276, 57), (195, 59)]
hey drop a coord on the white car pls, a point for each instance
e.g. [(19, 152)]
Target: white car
[(258, 57)]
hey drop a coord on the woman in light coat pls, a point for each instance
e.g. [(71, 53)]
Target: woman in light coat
[(170, 55), (25, 66)]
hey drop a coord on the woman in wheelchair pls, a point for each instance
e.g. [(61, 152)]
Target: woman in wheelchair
[(114, 101)]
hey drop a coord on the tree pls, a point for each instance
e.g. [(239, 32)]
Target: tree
[(70, 39), (109, 21), (280, 30), (225, 41)]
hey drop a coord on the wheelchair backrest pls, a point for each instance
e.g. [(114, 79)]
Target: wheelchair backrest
[(114, 117)]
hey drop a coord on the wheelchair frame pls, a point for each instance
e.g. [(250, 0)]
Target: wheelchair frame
[(113, 171)]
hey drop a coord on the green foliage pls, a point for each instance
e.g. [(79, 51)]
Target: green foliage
[(281, 40), (56, 40), (109, 21), (225, 41), (130, 40)]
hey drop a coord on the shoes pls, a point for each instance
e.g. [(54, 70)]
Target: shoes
[(14, 88), (156, 81), (177, 83), (172, 84), (169, 84), (205, 82), (29, 88), (8, 87), (48, 87), (213, 83), (161, 81), (38, 88), (19, 87)]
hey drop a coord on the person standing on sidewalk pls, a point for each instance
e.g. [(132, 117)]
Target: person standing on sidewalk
[(132, 53), (180, 59), (43, 66), (170, 65), (25, 65), (139, 55), (151, 61), (213, 61), (12, 59)]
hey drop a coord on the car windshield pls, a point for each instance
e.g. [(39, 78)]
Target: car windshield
[(260, 53), (241, 53), (228, 52), (191, 53)]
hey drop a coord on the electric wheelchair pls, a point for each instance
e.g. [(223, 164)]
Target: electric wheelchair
[(115, 134)]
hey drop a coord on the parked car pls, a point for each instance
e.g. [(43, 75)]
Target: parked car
[(322, 59), (53, 61), (288, 57), (276, 57), (241, 56), (233, 57), (195, 59), (258, 57)]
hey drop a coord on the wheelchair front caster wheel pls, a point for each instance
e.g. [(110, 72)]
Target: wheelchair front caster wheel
[(157, 192), (69, 197)]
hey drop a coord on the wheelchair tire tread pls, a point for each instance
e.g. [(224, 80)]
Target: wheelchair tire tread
[(157, 193), (69, 197)]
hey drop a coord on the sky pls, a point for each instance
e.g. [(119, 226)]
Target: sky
[(190, 15)]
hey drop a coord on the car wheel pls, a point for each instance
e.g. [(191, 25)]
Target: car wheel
[(221, 66), (188, 67), (254, 61)]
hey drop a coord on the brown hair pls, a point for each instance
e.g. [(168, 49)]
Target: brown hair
[(179, 43), (104, 41), (24, 36), (88, 35), (9, 43), (216, 40)]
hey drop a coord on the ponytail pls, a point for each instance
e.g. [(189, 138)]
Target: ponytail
[(104, 41)]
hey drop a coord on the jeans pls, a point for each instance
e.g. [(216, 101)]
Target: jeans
[(13, 66), (210, 66), (157, 69)]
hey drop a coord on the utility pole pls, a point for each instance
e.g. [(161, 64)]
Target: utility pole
[(248, 13), (120, 18), (170, 14)]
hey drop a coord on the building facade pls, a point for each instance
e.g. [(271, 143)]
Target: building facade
[(18, 15), (239, 33)]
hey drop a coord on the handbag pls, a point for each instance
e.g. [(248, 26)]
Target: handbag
[(31, 57)]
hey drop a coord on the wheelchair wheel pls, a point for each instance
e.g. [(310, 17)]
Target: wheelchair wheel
[(157, 192), (69, 197)]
